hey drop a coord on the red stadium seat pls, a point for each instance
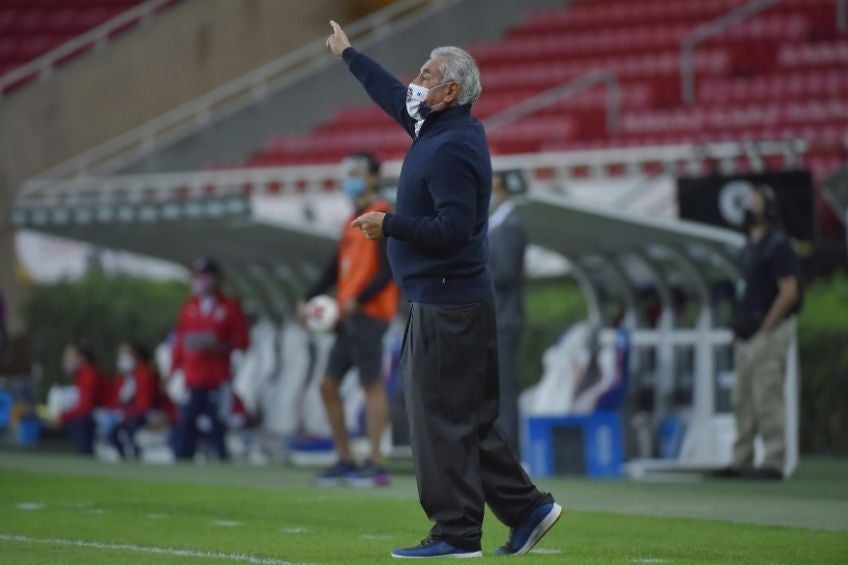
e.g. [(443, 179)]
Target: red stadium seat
[(30, 28), (782, 74)]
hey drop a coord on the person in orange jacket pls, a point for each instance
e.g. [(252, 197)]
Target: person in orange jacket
[(368, 297), (138, 393), (211, 326), (78, 362)]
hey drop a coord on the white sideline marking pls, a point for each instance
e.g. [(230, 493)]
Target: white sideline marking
[(295, 530), (172, 551), (648, 560), (225, 523), (546, 551), (30, 506)]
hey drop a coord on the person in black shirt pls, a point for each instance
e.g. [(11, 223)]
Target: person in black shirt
[(764, 324)]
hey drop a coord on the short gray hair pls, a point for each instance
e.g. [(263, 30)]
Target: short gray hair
[(457, 65)]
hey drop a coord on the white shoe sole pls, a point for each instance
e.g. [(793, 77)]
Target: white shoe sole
[(455, 556), (544, 526)]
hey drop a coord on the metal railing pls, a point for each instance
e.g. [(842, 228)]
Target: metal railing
[(255, 85), (43, 65), (560, 92), (707, 30), (568, 165), (720, 24)]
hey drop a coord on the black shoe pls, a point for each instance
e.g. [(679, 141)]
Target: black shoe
[(524, 537), (434, 549), (334, 476), (762, 474), (369, 475), (727, 473)]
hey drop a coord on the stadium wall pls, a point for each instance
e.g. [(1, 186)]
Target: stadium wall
[(184, 52)]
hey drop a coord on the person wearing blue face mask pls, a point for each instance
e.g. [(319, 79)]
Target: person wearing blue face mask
[(360, 273), (438, 247)]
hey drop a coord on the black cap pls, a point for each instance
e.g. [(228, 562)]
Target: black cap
[(372, 164), (207, 266), (85, 348)]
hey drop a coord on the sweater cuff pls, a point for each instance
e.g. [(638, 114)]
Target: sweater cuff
[(398, 227), (348, 54), (387, 220)]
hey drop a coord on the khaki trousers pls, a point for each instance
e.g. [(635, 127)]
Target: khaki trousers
[(758, 400)]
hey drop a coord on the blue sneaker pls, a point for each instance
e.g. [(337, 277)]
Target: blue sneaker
[(524, 537), (434, 549), (369, 475), (334, 476)]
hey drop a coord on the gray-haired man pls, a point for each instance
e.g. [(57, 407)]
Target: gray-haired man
[(438, 250)]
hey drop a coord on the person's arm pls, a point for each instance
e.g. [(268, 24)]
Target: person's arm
[(327, 280), (383, 88), (787, 295), (86, 391), (784, 267), (453, 188), (380, 280), (239, 337), (386, 90), (145, 392), (177, 348), (506, 257)]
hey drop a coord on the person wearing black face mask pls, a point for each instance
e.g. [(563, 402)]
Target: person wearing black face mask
[(764, 323)]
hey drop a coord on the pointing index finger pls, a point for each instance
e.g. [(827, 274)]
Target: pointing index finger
[(335, 26)]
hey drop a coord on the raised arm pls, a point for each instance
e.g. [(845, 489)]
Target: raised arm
[(382, 86)]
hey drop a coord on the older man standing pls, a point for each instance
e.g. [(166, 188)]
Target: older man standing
[(438, 250)]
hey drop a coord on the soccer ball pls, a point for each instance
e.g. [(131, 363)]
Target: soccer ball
[(322, 314)]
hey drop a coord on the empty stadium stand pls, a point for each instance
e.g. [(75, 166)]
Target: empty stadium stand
[(782, 74), (29, 29)]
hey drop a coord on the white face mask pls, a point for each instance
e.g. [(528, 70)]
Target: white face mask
[(125, 363), (415, 97)]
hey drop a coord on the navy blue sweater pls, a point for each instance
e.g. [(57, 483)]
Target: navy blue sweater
[(438, 234)]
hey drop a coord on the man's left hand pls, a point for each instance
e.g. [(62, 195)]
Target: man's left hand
[(371, 224)]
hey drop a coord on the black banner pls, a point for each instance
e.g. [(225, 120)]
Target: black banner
[(719, 199)]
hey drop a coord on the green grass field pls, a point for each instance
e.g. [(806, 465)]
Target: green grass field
[(61, 509)]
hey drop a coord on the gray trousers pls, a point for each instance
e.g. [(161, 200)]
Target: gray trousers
[(758, 402), (461, 455), (509, 341)]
